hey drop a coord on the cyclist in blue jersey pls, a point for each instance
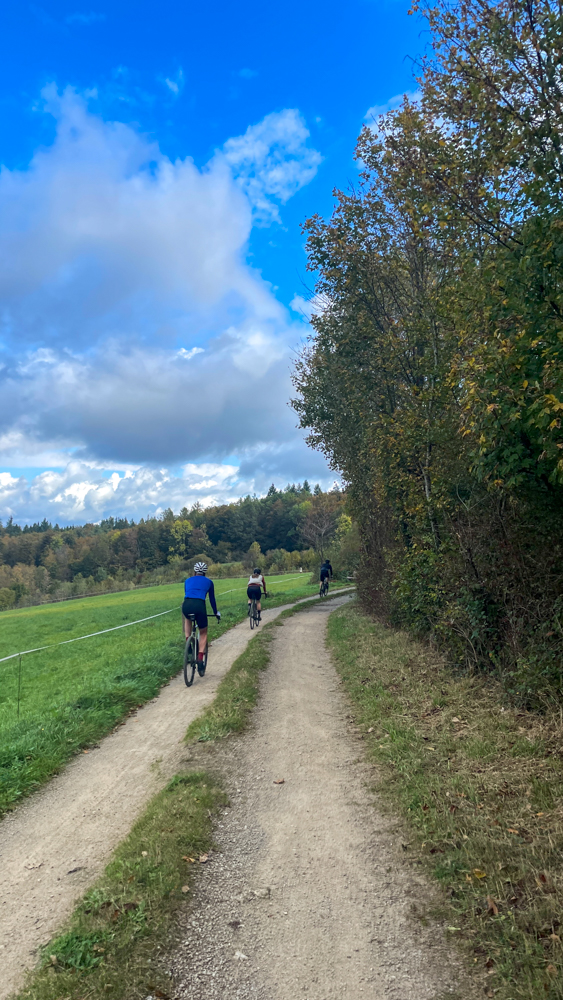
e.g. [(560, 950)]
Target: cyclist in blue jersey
[(196, 589)]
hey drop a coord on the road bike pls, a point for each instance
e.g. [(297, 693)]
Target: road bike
[(191, 651), (254, 614), (323, 589)]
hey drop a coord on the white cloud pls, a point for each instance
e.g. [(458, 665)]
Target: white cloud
[(272, 161), (176, 84), (186, 355), (85, 19), (104, 235), (114, 260), (373, 113), (81, 492), (313, 306)]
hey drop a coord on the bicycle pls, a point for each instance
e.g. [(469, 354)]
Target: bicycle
[(191, 651), (323, 589), (254, 614)]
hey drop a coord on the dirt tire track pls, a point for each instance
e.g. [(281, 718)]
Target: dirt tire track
[(309, 896)]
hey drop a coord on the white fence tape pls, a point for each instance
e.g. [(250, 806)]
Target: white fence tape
[(89, 636)]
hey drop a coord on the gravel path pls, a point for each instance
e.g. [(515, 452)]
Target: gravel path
[(308, 896), (58, 841)]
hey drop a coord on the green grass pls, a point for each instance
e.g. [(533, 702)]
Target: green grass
[(110, 945), (71, 696), (480, 786)]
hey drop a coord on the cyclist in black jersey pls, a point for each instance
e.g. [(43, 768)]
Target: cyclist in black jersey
[(326, 570)]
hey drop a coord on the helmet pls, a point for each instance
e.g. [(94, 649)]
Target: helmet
[(256, 571), (200, 567)]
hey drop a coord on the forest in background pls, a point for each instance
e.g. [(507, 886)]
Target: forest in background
[(282, 532), (434, 378)]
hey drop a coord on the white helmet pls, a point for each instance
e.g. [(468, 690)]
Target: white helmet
[(200, 567)]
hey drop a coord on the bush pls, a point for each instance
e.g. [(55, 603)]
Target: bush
[(7, 598)]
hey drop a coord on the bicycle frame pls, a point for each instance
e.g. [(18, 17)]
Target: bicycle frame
[(191, 651)]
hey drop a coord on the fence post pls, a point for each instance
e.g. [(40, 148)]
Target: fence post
[(19, 683)]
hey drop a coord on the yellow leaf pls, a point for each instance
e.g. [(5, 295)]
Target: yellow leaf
[(478, 873)]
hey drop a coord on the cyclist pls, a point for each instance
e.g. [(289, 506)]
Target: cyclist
[(326, 570), (196, 589), (256, 584)]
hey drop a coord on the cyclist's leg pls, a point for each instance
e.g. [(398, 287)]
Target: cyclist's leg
[(187, 627), (202, 641)]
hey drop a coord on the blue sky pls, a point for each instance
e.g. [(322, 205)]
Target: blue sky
[(157, 161)]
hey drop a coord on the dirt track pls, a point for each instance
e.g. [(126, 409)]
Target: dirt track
[(57, 842), (310, 895)]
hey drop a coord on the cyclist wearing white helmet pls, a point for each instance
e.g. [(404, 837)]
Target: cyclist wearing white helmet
[(196, 589)]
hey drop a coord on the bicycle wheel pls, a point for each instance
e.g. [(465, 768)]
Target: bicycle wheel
[(190, 660), (252, 614)]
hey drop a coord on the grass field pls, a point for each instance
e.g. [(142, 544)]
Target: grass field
[(71, 695)]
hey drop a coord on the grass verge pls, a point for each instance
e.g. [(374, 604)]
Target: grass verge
[(110, 946), (480, 785)]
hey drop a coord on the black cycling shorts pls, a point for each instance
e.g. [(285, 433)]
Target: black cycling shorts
[(195, 606), (324, 575), (254, 593)]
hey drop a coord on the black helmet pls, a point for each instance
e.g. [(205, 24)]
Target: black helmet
[(256, 572)]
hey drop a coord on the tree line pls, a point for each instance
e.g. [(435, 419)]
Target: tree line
[(284, 530), (434, 378)]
